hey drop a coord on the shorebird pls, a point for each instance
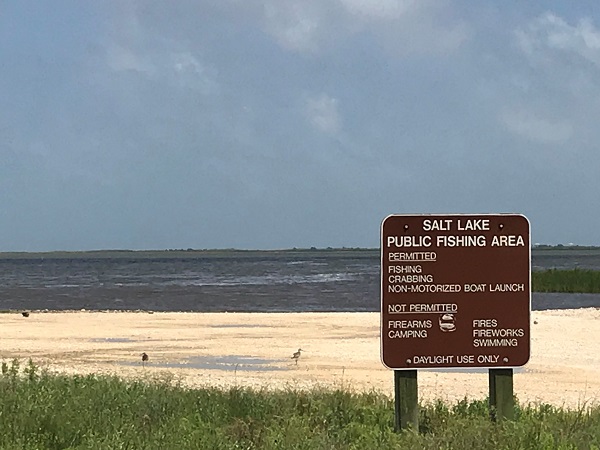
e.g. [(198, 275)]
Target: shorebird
[(25, 314), (144, 359), (296, 355)]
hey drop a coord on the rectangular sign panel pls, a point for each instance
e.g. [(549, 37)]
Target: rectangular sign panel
[(455, 291)]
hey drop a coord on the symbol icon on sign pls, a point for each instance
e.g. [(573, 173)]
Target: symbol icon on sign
[(447, 323)]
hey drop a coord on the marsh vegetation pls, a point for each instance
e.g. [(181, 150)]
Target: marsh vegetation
[(567, 281), (39, 410)]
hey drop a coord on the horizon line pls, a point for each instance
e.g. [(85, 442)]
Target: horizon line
[(234, 249)]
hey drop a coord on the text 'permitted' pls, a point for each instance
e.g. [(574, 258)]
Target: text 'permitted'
[(455, 291)]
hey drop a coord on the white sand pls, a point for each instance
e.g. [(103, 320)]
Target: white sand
[(341, 349)]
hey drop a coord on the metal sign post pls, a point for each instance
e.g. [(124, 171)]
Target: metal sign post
[(456, 293)]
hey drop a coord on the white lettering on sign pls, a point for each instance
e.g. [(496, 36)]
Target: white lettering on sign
[(505, 342), (498, 332), (437, 359), (410, 324), (437, 224), (433, 307), (396, 308), (409, 241), (474, 224), (507, 287), (465, 359), (482, 359), (397, 288), (412, 257), (410, 278), (474, 287), (405, 269), (407, 334), (461, 241), (485, 323), (420, 288), (508, 241)]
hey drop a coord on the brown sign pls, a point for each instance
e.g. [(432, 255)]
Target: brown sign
[(455, 291)]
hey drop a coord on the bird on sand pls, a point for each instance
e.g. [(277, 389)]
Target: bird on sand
[(296, 355), (144, 359), (25, 314)]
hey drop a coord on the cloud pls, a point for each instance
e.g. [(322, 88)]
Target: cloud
[(378, 9), (402, 26), (177, 67), (549, 35), (121, 58), (295, 26), (555, 83), (323, 113), (188, 71), (133, 46), (408, 27), (535, 128)]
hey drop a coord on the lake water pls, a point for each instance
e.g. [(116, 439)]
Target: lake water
[(260, 282)]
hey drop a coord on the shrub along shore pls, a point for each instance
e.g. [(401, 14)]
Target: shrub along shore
[(39, 410), (567, 281)]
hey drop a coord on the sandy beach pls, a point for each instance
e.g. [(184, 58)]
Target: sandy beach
[(254, 349)]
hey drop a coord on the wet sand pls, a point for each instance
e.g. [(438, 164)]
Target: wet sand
[(255, 349)]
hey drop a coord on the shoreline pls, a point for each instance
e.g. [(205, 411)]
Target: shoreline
[(340, 350), (540, 301)]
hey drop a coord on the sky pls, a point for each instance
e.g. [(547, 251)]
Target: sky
[(267, 124)]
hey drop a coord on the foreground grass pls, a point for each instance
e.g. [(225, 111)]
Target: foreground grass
[(43, 411), (571, 281)]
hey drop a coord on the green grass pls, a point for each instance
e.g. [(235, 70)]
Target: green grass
[(43, 411), (575, 280)]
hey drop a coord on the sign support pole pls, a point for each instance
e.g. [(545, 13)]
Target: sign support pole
[(406, 400), (502, 402)]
